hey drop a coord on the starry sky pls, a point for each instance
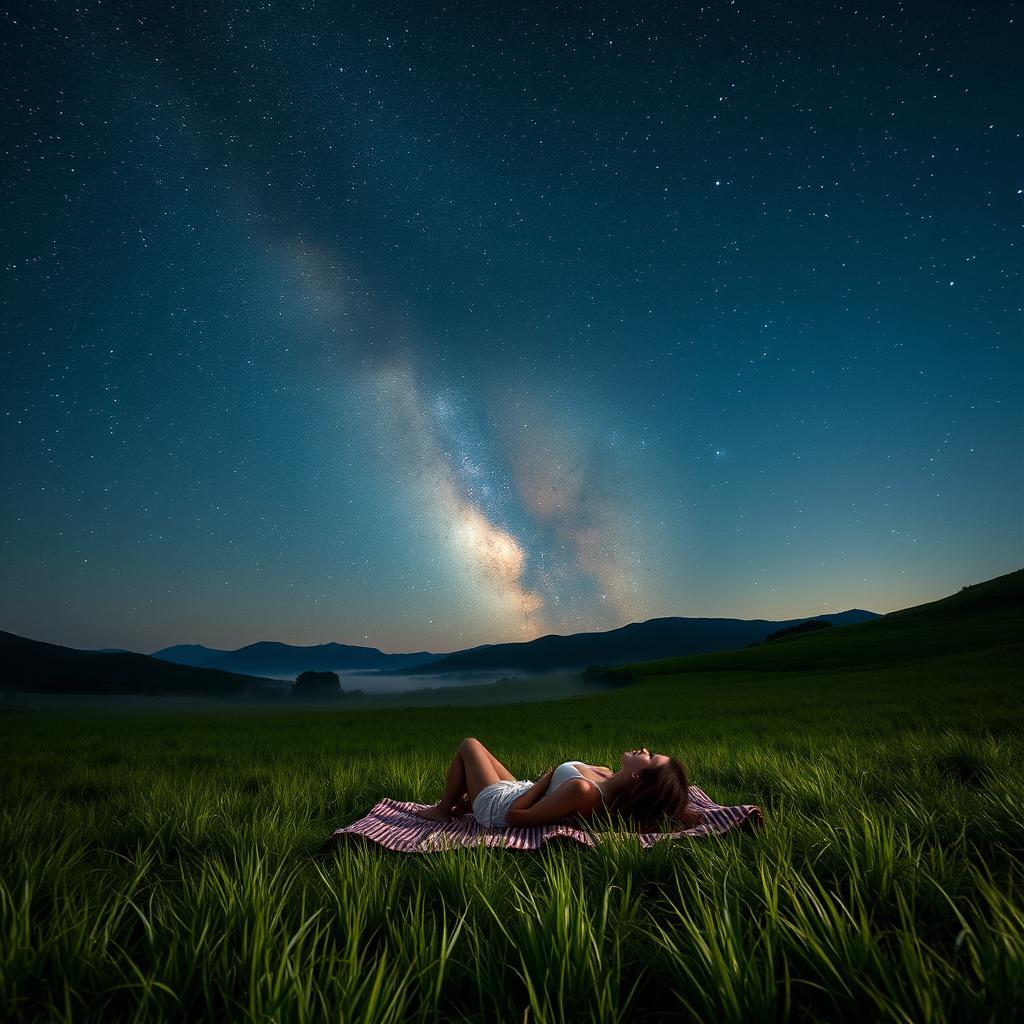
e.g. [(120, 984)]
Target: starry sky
[(431, 325)]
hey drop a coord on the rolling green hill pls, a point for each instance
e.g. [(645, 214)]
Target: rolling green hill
[(989, 614)]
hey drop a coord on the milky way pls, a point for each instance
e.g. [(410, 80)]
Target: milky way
[(430, 327)]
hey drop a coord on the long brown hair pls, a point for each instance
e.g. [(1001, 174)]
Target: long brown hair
[(658, 793)]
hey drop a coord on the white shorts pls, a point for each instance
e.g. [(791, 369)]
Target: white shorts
[(493, 801)]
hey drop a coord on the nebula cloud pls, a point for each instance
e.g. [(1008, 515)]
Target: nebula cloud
[(567, 485), (489, 556)]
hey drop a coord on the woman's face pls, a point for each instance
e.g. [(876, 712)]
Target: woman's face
[(642, 759)]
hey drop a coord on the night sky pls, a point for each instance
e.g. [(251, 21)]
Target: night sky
[(428, 326)]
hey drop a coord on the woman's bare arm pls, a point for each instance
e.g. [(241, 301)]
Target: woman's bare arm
[(534, 793), (573, 797)]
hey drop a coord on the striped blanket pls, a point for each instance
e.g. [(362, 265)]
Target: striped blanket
[(393, 824)]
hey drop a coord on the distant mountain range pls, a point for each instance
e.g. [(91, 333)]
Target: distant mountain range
[(37, 667), (286, 661), (639, 641), (993, 608)]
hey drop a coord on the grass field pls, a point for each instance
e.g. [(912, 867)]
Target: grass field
[(168, 866)]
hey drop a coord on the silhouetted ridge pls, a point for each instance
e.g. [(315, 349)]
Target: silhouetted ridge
[(989, 614), (36, 667), (269, 658), (656, 638), (804, 627)]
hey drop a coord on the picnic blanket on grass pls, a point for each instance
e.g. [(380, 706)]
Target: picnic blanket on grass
[(393, 824)]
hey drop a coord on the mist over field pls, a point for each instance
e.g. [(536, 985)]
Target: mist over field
[(390, 692)]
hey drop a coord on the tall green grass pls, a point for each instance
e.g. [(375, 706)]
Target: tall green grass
[(170, 867)]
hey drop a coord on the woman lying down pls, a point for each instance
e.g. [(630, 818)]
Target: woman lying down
[(646, 788)]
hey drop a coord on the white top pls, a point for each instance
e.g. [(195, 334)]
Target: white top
[(563, 773), (567, 770)]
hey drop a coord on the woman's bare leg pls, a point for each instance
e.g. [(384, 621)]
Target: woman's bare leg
[(464, 805), (499, 768), (472, 768)]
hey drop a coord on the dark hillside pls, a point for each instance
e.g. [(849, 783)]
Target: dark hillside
[(32, 666), (189, 654), (989, 614), (1003, 593), (654, 638), (268, 658)]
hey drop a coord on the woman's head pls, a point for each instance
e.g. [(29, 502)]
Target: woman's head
[(642, 759), (657, 787)]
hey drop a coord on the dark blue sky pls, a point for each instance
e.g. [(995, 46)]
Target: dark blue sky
[(432, 326)]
